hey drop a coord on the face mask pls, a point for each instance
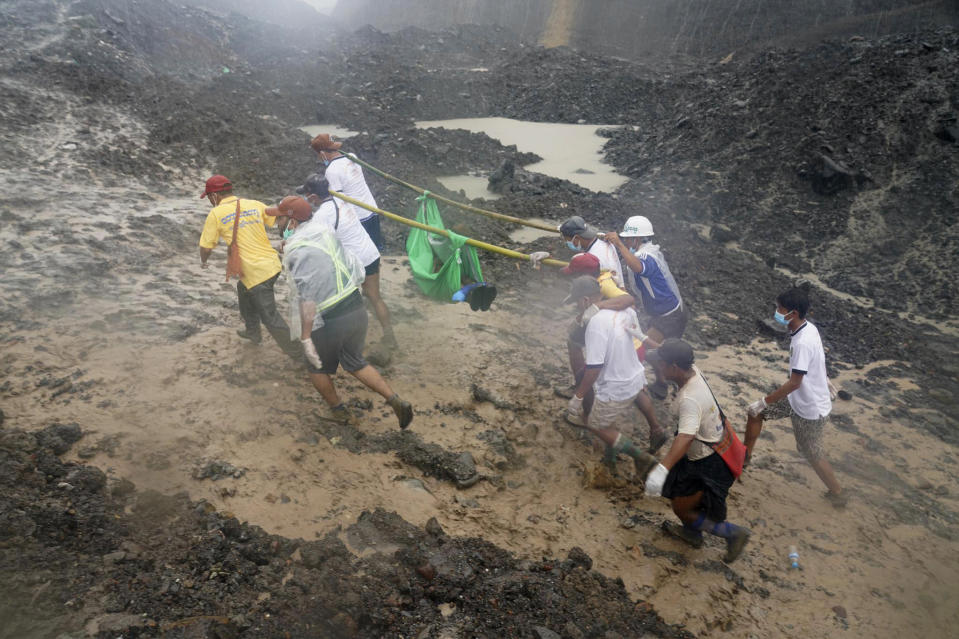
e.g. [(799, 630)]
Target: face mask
[(288, 232), (779, 317), (572, 246)]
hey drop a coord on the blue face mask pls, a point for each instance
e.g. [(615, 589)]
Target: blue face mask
[(572, 246), (779, 317), (287, 233)]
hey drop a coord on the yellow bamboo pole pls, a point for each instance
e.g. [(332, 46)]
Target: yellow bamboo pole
[(432, 229), (445, 200)]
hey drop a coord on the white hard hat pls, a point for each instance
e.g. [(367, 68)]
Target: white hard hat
[(637, 226)]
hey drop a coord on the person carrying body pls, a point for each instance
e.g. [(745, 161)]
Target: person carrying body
[(343, 219), (346, 176), (649, 279), (580, 236), (260, 262), (806, 395), (692, 475), (615, 299), (612, 371), (328, 307)]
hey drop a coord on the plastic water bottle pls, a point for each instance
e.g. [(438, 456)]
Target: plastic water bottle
[(794, 557)]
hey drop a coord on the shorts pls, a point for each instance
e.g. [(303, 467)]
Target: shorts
[(341, 339), (373, 267), (808, 432), (710, 475), (671, 324), (611, 414), (372, 226)]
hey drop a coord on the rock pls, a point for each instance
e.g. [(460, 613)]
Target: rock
[(114, 557), (572, 631), (59, 437), (87, 478), (844, 395), (579, 557), (828, 176), (545, 633), (114, 623), (941, 395), (434, 528), (840, 611)]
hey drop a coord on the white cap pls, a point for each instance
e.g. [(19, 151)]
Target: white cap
[(637, 226)]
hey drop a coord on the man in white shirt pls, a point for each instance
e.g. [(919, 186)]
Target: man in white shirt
[(805, 397), (692, 475), (580, 236), (346, 176), (343, 219), (613, 372)]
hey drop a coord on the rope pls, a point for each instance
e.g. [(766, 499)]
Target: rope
[(465, 207), (477, 243)]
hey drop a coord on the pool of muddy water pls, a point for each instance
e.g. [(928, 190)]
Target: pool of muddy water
[(571, 152)]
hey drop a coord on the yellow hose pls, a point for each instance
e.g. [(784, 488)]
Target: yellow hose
[(477, 243), (440, 198)]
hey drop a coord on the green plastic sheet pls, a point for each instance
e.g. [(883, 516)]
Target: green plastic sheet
[(457, 261)]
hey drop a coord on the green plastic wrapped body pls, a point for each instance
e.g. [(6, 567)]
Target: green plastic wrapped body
[(459, 263)]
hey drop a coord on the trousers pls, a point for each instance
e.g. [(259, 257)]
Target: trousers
[(258, 306)]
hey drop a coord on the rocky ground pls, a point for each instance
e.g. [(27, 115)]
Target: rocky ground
[(489, 518)]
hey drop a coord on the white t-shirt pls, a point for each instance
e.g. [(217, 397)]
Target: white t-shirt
[(608, 259), (349, 231), (346, 177), (806, 355), (699, 417), (610, 346)]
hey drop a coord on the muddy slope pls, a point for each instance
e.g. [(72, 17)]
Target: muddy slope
[(148, 565)]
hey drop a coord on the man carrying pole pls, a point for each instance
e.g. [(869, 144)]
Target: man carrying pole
[(259, 262)]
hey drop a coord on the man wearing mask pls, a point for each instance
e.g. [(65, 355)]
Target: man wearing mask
[(648, 278), (805, 397), (613, 372), (260, 262), (342, 218), (580, 236), (329, 309), (346, 176)]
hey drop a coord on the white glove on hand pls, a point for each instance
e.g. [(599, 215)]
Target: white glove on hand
[(636, 332), (655, 480), (757, 407), (589, 312), (309, 349), (538, 257), (574, 411)]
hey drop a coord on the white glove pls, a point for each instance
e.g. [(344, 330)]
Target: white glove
[(309, 349), (636, 332), (574, 410), (833, 392), (538, 257), (757, 407), (655, 480), (589, 312)]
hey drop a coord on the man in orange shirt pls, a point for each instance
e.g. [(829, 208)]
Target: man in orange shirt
[(261, 264)]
